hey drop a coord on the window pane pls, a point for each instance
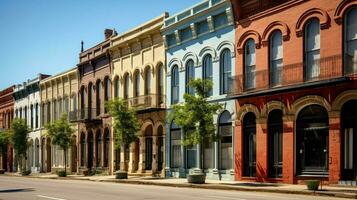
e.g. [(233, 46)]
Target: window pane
[(351, 42), (220, 20), (190, 75), (171, 39), (202, 27), (207, 155), (312, 50), (176, 148), (207, 70), (226, 71), (186, 34), (249, 61)]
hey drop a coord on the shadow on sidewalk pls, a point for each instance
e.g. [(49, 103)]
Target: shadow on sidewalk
[(17, 190)]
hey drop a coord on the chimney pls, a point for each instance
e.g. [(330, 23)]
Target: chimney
[(82, 43), (108, 33)]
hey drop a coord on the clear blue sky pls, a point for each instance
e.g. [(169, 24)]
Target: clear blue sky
[(43, 36)]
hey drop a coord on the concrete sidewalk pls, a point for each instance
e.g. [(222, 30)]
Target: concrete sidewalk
[(333, 191)]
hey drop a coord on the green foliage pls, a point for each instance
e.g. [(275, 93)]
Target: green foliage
[(4, 141), (195, 115), (62, 173), (19, 137), (312, 184), (125, 123)]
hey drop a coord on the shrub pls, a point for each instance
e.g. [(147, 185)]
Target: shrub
[(312, 184), (196, 178), (2, 171), (26, 172), (121, 175), (62, 173), (85, 172)]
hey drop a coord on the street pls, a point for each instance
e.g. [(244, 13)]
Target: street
[(19, 188)]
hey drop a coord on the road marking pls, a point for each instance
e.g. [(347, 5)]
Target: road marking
[(47, 197)]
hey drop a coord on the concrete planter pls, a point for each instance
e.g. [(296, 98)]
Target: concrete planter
[(2, 171), (121, 175), (198, 178), (85, 172), (312, 184), (26, 172)]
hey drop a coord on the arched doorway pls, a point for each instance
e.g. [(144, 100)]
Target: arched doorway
[(148, 147), (312, 133), (90, 149), (160, 151), (275, 144), (249, 145), (349, 140)]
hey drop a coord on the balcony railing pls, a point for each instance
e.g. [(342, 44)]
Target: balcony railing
[(147, 102), (316, 71), (83, 115)]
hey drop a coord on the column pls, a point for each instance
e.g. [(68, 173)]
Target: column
[(262, 150), (334, 157), (132, 160), (141, 155), (182, 170), (238, 166), (155, 152), (288, 149)]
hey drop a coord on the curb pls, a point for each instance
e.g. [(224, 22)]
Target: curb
[(205, 186)]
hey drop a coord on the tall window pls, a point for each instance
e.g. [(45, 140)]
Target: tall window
[(249, 65), (176, 157), (83, 99), (116, 87), (312, 50), (207, 70), (66, 105), (25, 110), (147, 81), (351, 41), (175, 85), (191, 155), (137, 84), (31, 113), (55, 110), (190, 75), (74, 102), (275, 143), (36, 113), (226, 148), (249, 145), (107, 95), (60, 108), (276, 58), (225, 63), (99, 97), (49, 113), (160, 83), (126, 86)]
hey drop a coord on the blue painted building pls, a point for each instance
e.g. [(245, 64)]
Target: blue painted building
[(200, 44)]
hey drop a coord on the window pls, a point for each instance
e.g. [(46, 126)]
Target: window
[(49, 113), (275, 144), (107, 95), (207, 148), (83, 99), (31, 117), (83, 149), (147, 81), (126, 86), (36, 113), (99, 148), (351, 41), (60, 108), (55, 110), (249, 145), (66, 105), (137, 84), (249, 65), (226, 148), (186, 34), (225, 63), (25, 110), (176, 157), (99, 97), (160, 83), (276, 58), (171, 39), (116, 87), (191, 155), (220, 20), (190, 75), (175, 85), (312, 50), (106, 147), (75, 106), (207, 71), (202, 27)]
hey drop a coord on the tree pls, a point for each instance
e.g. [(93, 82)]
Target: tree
[(61, 134), (19, 138), (4, 141), (125, 123), (195, 115)]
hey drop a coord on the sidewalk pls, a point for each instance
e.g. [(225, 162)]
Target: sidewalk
[(333, 191)]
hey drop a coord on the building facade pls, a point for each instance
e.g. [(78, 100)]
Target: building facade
[(58, 95), (200, 44), (138, 58), (295, 90), (6, 117), (27, 106), (95, 139)]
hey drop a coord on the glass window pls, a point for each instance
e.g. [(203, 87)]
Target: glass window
[(220, 20), (207, 70), (99, 97), (202, 27), (190, 75), (351, 41), (107, 89), (275, 144), (171, 39), (126, 86), (276, 58), (186, 34), (116, 87), (147, 81), (312, 50), (31, 113), (226, 148), (249, 64), (160, 83), (225, 63), (137, 84), (176, 157), (175, 85)]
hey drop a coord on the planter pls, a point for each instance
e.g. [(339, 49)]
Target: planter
[(62, 173), (312, 184), (121, 175), (26, 173), (196, 178), (85, 172), (2, 171)]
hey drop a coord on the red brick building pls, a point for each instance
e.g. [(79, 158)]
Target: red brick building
[(296, 90), (6, 117)]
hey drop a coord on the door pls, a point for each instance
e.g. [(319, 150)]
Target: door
[(161, 153), (148, 153), (90, 150)]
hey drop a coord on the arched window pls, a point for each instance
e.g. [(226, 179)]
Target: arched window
[(137, 84), (99, 148), (106, 147), (55, 110), (225, 63), (160, 84), (249, 145), (49, 112), (175, 137), (107, 92), (207, 70), (74, 103), (249, 65), (147, 81), (276, 58), (275, 144), (90, 149), (175, 85), (226, 148), (126, 86), (312, 50), (90, 97), (99, 97), (60, 108), (36, 115), (31, 117), (190, 75), (351, 41), (25, 110), (116, 87), (83, 99)]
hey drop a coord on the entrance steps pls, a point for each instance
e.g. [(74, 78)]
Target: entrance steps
[(348, 183)]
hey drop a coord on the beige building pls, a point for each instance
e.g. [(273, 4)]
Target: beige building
[(58, 95), (138, 59)]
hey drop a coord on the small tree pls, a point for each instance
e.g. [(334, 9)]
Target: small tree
[(195, 115), (125, 123), (19, 138), (4, 141), (61, 134)]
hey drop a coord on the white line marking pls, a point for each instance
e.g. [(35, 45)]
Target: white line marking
[(47, 197)]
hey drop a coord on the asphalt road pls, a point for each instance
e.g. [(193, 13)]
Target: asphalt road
[(18, 188)]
